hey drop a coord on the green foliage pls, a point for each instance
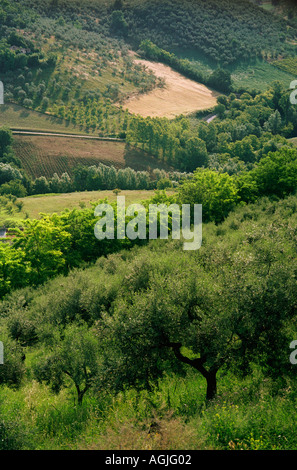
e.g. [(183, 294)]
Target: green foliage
[(216, 192), (219, 79), (276, 173), (5, 139), (14, 269), (224, 31), (43, 244), (13, 369), (75, 357), (245, 130), (133, 320), (16, 188), (16, 53), (118, 23), (135, 336), (187, 321), (287, 64), (9, 173), (53, 245)]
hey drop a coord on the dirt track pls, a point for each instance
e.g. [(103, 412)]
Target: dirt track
[(59, 134), (179, 96)]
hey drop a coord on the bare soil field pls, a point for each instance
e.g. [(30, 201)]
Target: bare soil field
[(46, 155), (179, 96)]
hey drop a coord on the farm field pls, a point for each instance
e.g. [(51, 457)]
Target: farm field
[(180, 95), (260, 76), (288, 65), (33, 206), (256, 76), (46, 155), (293, 141)]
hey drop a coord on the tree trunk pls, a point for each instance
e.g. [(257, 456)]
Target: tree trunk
[(81, 393), (211, 380), (80, 396), (198, 364)]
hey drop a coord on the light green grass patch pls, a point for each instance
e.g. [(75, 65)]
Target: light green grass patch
[(33, 206), (18, 117)]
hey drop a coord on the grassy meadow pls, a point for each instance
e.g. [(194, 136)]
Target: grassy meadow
[(254, 76), (246, 418), (18, 117), (33, 206)]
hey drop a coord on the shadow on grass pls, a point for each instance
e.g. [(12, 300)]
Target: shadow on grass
[(141, 160)]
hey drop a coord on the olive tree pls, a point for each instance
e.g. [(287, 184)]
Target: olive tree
[(12, 366), (224, 307), (74, 357)]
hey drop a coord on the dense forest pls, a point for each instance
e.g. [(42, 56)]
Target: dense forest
[(128, 343)]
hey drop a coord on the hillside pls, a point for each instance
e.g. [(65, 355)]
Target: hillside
[(98, 69), (84, 72), (226, 31), (18, 117), (115, 306), (148, 214)]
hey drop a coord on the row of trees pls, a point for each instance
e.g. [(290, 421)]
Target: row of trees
[(219, 193), (14, 181), (86, 178), (108, 177), (65, 91)]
